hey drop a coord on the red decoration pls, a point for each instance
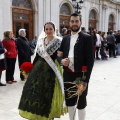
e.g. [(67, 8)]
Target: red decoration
[(26, 66), (84, 68)]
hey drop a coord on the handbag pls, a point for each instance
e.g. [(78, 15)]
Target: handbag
[(2, 56)]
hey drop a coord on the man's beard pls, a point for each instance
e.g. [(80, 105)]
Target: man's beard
[(75, 28)]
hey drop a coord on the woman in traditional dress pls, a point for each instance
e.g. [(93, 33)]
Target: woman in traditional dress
[(42, 96)]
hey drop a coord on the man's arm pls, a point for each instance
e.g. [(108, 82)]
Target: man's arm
[(60, 53), (62, 61)]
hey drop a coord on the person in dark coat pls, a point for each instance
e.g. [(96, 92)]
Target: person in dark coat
[(3, 64), (94, 37), (83, 30), (76, 51), (118, 42), (111, 44), (24, 50)]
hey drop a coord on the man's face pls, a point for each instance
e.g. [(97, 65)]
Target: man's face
[(65, 32), (23, 34), (75, 23)]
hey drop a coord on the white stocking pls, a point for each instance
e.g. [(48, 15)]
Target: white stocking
[(71, 111), (81, 114), (56, 119)]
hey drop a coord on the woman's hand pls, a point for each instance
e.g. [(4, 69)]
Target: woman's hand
[(5, 50), (65, 62)]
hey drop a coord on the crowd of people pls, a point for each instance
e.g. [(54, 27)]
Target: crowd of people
[(10, 48), (48, 84), (105, 44)]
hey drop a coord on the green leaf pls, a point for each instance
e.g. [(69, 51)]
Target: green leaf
[(83, 77), (77, 80)]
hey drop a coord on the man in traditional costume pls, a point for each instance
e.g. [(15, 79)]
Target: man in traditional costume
[(76, 50)]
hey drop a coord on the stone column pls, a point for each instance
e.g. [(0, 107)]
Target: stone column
[(7, 14), (36, 22), (55, 12), (100, 16), (41, 15), (48, 10), (118, 19), (105, 22), (1, 21)]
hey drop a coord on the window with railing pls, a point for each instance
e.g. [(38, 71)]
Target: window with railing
[(21, 16), (111, 22), (111, 18), (92, 20), (65, 10), (92, 15)]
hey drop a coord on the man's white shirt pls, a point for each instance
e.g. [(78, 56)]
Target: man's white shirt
[(73, 40)]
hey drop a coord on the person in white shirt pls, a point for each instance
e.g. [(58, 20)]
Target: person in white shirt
[(98, 44), (76, 51)]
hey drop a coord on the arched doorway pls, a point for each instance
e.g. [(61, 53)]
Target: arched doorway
[(92, 20), (22, 16), (64, 16), (111, 23)]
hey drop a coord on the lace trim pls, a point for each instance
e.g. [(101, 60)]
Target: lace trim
[(52, 47)]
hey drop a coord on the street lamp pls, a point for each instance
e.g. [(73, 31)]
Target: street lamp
[(78, 6)]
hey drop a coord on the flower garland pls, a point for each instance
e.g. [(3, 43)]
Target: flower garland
[(25, 68)]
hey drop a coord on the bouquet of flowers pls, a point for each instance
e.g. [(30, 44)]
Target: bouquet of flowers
[(25, 69)]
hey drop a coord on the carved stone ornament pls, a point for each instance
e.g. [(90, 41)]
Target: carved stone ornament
[(104, 6)]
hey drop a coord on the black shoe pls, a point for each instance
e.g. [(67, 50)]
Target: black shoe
[(2, 84), (104, 58), (115, 57), (98, 58), (22, 79)]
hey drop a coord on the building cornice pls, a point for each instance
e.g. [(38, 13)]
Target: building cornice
[(115, 1), (104, 6)]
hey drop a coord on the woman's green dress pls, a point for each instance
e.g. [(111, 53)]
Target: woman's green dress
[(42, 98)]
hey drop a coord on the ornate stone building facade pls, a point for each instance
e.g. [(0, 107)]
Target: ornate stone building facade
[(32, 14), (102, 14)]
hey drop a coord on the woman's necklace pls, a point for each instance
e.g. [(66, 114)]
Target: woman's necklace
[(46, 41)]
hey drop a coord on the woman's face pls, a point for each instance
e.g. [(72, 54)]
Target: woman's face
[(49, 30), (10, 35)]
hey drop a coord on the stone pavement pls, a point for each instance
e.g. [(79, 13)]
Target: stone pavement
[(103, 97)]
